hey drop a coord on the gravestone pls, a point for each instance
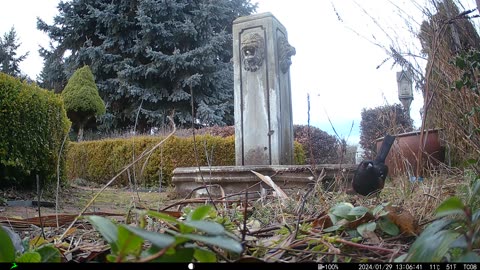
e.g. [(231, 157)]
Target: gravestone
[(263, 103)]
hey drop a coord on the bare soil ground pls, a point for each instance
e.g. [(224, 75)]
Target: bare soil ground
[(268, 219), (72, 200)]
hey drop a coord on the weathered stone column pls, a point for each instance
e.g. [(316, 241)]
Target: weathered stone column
[(263, 106)]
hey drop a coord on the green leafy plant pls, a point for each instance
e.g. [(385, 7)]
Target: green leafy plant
[(34, 254), (469, 63), (360, 219), (189, 241), (455, 235), (467, 87)]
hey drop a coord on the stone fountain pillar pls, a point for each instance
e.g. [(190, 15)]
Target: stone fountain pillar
[(263, 118), (263, 103)]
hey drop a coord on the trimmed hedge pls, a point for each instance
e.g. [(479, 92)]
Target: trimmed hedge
[(378, 121), (324, 145), (99, 161), (33, 124)]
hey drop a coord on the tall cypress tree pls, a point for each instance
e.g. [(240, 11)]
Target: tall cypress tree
[(149, 55)]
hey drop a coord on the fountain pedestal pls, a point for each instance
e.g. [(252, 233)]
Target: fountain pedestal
[(263, 117)]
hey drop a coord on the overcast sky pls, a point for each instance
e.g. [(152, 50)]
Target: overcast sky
[(334, 63)]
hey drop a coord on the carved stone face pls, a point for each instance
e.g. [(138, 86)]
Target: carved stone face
[(285, 52), (252, 52)]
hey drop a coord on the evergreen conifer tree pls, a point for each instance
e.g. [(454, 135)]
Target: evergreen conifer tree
[(150, 55), (9, 61), (81, 99)]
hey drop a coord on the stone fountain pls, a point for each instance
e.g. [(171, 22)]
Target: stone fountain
[(263, 116)]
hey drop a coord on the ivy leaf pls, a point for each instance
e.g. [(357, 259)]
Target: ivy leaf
[(458, 85), (460, 62), (471, 161)]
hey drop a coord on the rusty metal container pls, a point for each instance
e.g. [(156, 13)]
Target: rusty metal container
[(403, 156)]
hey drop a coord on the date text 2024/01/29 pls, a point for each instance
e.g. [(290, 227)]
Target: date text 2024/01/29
[(410, 266)]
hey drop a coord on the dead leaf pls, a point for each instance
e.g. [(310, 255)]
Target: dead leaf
[(270, 182), (371, 237), (322, 222), (330, 246), (70, 231), (403, 219), (269, 241), (37, 242), (277, 252), (362, 220)]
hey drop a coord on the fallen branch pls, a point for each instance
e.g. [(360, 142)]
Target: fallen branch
[(48, 221), (361, 246)]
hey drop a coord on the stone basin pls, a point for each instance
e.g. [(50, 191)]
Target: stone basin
[(236, 179)]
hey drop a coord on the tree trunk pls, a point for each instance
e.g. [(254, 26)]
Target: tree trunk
[(80, 133)]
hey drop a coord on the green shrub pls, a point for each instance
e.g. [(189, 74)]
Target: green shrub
[(33, 124), (99, 161), (378, 121), (453, 236), (324, 146), (81, 98)]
